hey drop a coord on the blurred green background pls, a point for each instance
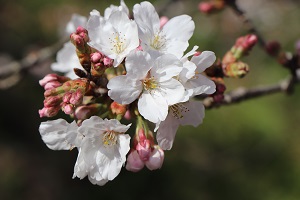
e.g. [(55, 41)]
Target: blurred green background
[(246, 151)]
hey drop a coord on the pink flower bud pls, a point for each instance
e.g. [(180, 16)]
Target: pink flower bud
[(52, 85), (83, 33), (67, 96), (49, 111), (156, 158), (53, 78), (96, 57), (127, 115), (163, 20), (144, 149), (76, 97), (52, 101), (134, 162), (107, 61), (86, 111), (68, 109), (205, 7)]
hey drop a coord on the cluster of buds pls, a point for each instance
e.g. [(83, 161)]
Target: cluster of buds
[(145, 152), (66, 96), (231, 65)]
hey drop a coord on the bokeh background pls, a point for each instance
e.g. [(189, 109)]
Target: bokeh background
[(246, 151)]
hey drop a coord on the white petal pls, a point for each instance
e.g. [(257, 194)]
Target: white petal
[(54, 134), (153, 106), (166, 67), (96, 178), (67, 60), (184, 23), (176, 47), (123, 89), (195, 114), (166, 132), (204, 60), (187, 72), (201, 85), (147, 19), (94, 25), (138, 64), (172, 90), (81, 169)]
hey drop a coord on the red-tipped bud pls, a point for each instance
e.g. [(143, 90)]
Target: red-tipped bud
[(52, 101), (68, 108), (99, 63), (243, 45)]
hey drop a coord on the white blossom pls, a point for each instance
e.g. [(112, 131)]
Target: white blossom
[(103, 149), (151, 82), (172, 38), (115, 36)]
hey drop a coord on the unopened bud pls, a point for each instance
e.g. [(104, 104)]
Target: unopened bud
[(243, 45), (236, 69), (53, 79), (273, 48), (52, 101), (156, 158), (86, 111), (68, 108), (117, 108), (212, 6), (134, 162), (49, 111)]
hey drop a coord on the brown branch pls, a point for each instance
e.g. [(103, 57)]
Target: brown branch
[(242, 94), (11, 72)]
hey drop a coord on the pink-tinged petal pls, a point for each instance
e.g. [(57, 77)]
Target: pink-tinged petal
[(134, 162), (165, 67), (123, 89), (204, 60), (167, 131), (201, 85), (172, 90), (194, 114), (156, 159), (138, 64), (153, 106), (184, 23), (54, 134)]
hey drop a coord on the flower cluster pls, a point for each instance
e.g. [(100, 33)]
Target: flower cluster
[(122, 69)]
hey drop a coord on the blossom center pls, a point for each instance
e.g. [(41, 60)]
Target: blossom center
[(150, 83), (178, 110), (117, 41), (158, 42), (109, 138)]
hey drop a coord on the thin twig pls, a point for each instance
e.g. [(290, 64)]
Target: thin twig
[(242, 94)]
